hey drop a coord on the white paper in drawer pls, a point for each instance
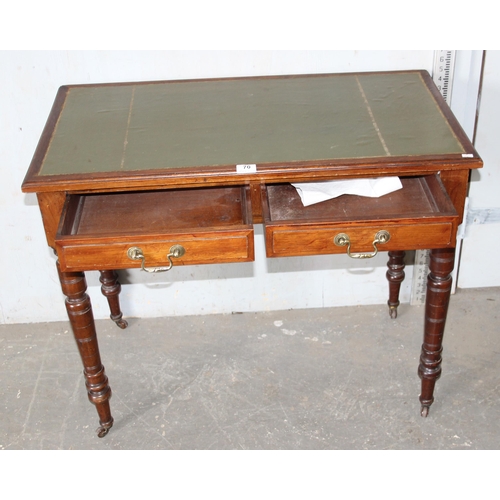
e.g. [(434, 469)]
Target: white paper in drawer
[(316, 192)]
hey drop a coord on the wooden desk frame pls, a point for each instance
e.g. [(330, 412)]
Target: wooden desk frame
[(54, 191)]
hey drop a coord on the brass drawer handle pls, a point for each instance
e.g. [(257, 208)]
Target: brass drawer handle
[(135, 253), (342, 240)]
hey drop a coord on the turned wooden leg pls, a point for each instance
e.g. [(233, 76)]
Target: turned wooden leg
[(395, 276), (111, 289), (436, 308), (79, 308)]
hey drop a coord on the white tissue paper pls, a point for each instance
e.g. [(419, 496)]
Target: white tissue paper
[(315, 192)]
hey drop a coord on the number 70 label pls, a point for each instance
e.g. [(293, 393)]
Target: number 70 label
[(246, 169)]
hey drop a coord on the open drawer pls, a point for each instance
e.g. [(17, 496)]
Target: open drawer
[(153, 229), (418, 216)]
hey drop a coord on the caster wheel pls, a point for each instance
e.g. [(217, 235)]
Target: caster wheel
[(122, 324), (424, 411), (102, 431)]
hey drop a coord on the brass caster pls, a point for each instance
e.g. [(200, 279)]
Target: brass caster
[(393, 312), (102, 431), (121, 323), (424, 411)]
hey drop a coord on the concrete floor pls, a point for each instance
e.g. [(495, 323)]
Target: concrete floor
[(338, 379)]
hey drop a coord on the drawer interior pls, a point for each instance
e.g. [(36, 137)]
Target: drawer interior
[(155, 212), (420, 197)]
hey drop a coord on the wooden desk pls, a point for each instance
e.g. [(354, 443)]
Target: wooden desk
[(156, 174)]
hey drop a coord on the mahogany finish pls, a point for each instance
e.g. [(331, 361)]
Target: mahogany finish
[(395, 276), (158, 169), (436, 307), (419, 215), (79, 308), (111, 289), (212, 224)]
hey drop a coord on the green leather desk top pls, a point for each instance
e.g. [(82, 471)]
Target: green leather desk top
[(221, 123)]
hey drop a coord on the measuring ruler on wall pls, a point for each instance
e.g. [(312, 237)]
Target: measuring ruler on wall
[(442, 75)]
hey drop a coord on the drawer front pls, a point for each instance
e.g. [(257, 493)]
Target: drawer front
[(287, 241), (202, 248)]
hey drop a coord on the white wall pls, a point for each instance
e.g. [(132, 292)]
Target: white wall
[(479, 257), (29, 288)]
